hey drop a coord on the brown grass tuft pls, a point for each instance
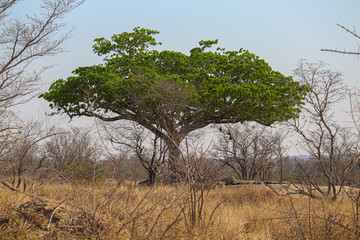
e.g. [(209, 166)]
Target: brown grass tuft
[(102, 211)]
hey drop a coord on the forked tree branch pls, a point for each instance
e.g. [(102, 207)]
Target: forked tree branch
[(344, 52)]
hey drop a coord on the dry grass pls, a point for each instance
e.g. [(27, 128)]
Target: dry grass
[(102, 211)]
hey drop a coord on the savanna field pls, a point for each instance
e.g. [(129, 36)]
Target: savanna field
[(105, 210), (106, 132)]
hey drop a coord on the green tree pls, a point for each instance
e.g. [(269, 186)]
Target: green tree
[(172, 93)]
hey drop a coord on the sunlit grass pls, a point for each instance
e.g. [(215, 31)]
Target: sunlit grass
[(110, 211)]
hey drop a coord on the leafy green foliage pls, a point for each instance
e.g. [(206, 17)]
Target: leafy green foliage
[(172, 93)]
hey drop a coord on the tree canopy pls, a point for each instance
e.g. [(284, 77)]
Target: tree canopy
[(172, 93)]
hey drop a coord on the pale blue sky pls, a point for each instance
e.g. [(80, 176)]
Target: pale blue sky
[(281, 32)]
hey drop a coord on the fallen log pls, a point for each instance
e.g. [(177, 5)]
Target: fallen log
[(253, 182)]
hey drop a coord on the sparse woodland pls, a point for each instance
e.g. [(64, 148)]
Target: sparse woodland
[(145, 169)]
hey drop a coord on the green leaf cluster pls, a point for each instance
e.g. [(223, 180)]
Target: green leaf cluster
[(174, 91)]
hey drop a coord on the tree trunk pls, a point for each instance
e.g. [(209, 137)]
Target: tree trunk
[(152, 177), (281, 169), (176, 170)]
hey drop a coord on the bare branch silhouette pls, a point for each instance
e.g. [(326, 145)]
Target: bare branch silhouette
[(345, 52)]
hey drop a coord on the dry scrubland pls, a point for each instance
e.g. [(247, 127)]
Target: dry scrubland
[(106, 211)]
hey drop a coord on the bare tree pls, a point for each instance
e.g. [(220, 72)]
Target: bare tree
[(149, 149), (73, 153), (354, 97), (22, 42), (281, 151), (352, 32), (249, 150), (329, 144), (200, 175), (8, 132), (23, 150)]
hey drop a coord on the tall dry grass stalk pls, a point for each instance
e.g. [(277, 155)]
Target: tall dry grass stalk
[(98, 211)]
